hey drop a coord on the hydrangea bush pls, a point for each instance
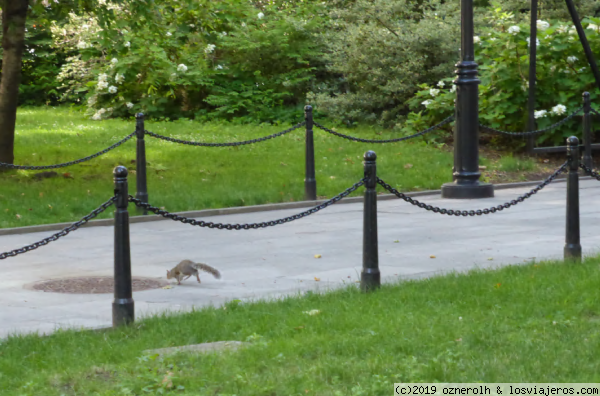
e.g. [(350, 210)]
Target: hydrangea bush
[(192, 58), (503, 57)]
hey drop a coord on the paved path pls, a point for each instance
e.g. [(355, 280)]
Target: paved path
[(280, 260)]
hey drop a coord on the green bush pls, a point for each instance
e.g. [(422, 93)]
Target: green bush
[(194, 58), (381, 51), (562, 76)]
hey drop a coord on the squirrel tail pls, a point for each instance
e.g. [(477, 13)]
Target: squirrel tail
[(209, 269)]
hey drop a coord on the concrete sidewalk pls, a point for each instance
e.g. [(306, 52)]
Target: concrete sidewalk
[(280, 260)]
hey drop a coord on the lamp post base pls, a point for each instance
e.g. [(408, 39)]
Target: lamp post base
[(467, 191)]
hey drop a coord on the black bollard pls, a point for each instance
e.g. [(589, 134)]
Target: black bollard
[(123, 309), (573, 245), (466, 184), (587, 131), (370, 277), (140, 179), (310, 181)]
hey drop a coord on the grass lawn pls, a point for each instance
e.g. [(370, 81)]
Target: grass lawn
[(531, 323), (191, 178)]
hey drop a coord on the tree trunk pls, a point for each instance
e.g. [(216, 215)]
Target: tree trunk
[(14, 13)]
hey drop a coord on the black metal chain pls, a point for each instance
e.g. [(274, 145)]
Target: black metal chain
[(32, 167), (262, 139), (590, 172), (60, 234), (551, 127), (331, 131), (479, 212), (253, 226)]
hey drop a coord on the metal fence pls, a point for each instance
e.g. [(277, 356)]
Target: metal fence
[(123, 304)]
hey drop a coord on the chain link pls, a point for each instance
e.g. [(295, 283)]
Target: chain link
[(60, 234), (529, 133), (479, 212), (262, 139), (590, 172), (331, 131), (221, 226), (41, 167)]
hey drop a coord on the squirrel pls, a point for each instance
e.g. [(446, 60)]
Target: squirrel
[(189, 268)]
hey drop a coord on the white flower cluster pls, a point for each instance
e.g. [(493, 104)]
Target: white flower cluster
[(559, 110), (562, 29), (514, 30), (427, 102), (129, 105), (593, 26), (82, 45), (476, 40), (434, 92), (127, 44), (112, 89), (441, 84), (98, 115), (210, 48), (260, 15), (119, 78), (182, 68), (102, 83), (542, 25), (572, 59)]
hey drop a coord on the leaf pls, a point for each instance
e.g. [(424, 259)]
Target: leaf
[(432, 256), (408, 166), (316, 279), (318, 256), (167, 287)]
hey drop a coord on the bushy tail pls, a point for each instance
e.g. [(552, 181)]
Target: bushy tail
[(209, 269)]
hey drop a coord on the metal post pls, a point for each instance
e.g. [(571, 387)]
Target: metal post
[(583, 39), (140, 179), (587, 131), (310, 181), (532, 66), (573, 245), (370, 277), (122, 308), (466, 175)]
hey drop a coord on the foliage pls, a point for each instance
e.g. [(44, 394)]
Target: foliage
[(547, 9), (562, 76), (211, 59), (381, 51)]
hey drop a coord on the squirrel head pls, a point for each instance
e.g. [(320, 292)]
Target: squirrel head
[(169, 275)]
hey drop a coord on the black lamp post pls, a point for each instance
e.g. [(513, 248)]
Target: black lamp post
[(466, 175)]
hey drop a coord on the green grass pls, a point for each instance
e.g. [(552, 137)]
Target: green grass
[(191, 178), (532, 323), (515, 164)]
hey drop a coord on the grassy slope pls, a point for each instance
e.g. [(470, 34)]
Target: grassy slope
[(189, 178), (533, 323)]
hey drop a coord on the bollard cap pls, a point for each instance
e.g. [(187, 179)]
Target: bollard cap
[(370, 156), (139, 115), (308, 108), (120, 171), (586, 95), (572, 141)]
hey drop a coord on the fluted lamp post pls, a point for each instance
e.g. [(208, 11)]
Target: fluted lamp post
[(466, 184)]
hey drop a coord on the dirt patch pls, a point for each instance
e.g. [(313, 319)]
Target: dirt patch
[(92, 285)]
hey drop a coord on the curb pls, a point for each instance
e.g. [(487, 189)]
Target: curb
[(248, 209)]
